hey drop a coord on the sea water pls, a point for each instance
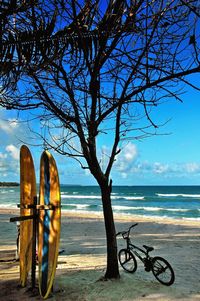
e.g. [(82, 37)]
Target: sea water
[(178, 202)]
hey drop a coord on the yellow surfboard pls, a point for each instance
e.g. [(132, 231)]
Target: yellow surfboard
[(28, 195), (49, 223)]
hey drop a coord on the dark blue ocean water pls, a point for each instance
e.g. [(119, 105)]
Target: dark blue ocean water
[(158, 201)]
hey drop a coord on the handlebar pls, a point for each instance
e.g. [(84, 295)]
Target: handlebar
[(126, 234)]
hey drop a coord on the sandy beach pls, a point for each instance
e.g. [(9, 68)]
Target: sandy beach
[(83, 261)]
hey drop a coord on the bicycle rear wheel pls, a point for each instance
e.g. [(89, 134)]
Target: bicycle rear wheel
[(127, 260), (163, 271)]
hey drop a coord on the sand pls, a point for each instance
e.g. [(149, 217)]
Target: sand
[(83, 262)]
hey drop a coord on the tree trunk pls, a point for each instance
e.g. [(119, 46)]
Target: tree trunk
[(112, 259)]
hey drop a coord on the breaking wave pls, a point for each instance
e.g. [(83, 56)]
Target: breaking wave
[(178, 195)]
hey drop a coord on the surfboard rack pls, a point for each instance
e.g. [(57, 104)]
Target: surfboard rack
[(22, 218), (34, 217), (39, 207)]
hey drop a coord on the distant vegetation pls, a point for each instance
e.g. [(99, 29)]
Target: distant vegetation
[(8, 184)]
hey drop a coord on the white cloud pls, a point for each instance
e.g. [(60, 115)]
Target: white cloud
[(124, 175), (9, 126), (126, 169), (130, 152), (9, 167), (12, 129), (4, 126), (126, 158), (192, 167), (3, 156), (14, 123), (87, 172), (13, 150), (159, 168)]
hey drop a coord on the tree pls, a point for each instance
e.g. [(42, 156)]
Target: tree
[(89, 67)]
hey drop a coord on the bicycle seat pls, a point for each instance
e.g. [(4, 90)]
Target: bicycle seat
[(149, 249)]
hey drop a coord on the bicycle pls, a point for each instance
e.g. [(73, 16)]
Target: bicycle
[(159, 266)]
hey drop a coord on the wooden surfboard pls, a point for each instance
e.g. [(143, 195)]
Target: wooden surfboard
[(49, 223), (28, 196)]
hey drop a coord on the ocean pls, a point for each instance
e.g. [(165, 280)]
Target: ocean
[(178, 202)]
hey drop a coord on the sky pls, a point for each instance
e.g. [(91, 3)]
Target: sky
[(170, 158)]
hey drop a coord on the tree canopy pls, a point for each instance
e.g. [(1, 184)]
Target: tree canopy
[(102, 56)]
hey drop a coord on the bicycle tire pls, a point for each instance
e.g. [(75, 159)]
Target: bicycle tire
[(163, 271), (127, 260)]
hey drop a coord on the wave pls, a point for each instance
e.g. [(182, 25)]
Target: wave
[(178, 195), (127, 208), (132, 197), (71, 196), (73, 192), (9, 205), (114, 197), (3, 191), (191, 218), (128, 214), (123, 208), (118, 208), (79, 206)]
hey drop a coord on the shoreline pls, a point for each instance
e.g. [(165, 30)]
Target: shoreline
[(117, 217)]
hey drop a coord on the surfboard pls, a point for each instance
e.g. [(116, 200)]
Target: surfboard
[(28, 196), (49, 223)]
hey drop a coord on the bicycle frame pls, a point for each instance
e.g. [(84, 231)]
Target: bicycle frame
[(134, 249)]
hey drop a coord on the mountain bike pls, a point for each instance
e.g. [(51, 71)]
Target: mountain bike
[(159, 266)]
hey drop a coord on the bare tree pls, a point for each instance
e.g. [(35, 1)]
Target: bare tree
[(93, 67)]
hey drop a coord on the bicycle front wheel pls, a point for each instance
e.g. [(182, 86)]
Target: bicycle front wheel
[(163, 271), (127, 260)]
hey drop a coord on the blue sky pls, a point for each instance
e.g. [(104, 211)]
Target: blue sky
[(171, 158)]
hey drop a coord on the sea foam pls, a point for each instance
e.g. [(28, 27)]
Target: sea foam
[(178, 195)]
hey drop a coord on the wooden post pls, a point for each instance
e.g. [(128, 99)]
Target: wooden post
[(34, 217), (35, 220)]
